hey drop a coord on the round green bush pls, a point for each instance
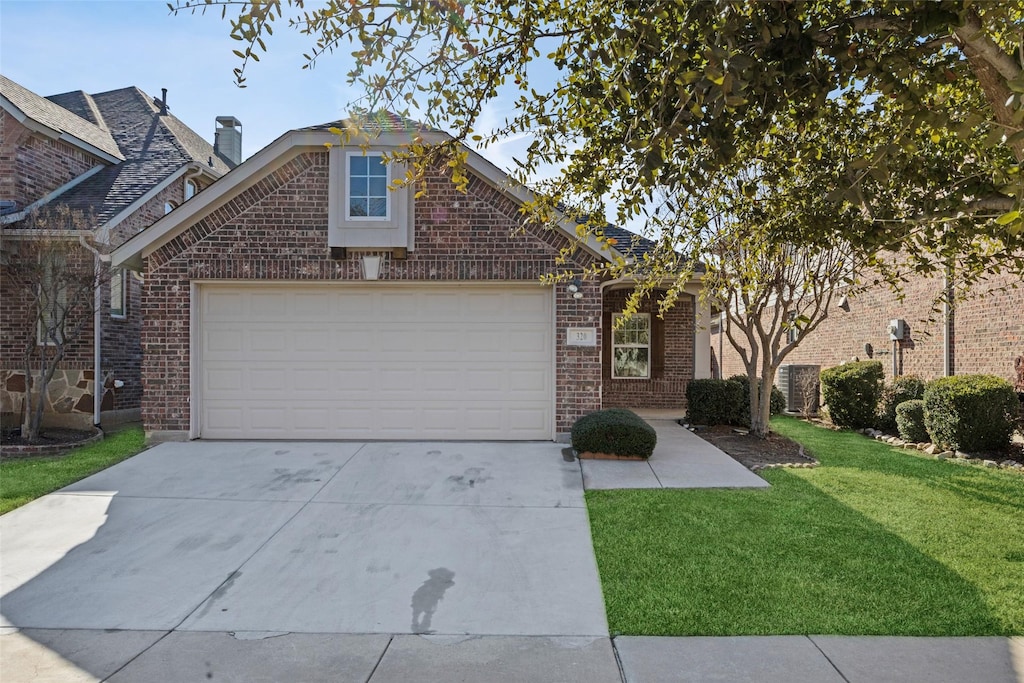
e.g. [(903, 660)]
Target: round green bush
[(970, 412), (614, 431), (906, 388), (910, 421), (851, 392), (713, 401)]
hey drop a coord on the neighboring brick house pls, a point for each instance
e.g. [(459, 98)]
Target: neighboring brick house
[(123, 161), (983, 333), (299, 298)]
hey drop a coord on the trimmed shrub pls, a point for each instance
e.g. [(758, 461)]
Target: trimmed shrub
[(777, 403), (970, 412), (906, 388), (713, 401), (851, 392), (910, 421), (614, 431)]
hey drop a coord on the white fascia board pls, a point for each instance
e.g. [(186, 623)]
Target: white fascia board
[(138, 203), (54, 134), (501, 181), (131, 253), (692, 285), (21, 215)]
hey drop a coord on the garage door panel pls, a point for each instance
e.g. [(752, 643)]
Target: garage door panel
[(266, 305), (312, 361)]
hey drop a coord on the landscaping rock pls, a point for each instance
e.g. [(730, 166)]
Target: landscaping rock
[(932, 449), (945, 455), (990, 463)]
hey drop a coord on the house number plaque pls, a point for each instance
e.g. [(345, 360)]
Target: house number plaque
[(581, 336)]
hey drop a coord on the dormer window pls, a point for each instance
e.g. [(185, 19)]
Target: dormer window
[(190, 189), (368, 180), (365, 210)]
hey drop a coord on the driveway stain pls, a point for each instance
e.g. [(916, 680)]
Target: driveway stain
[(427, 596), (468, 479), (219, 593), (283, 478)]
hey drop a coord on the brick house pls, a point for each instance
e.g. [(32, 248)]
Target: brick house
[(123, 160), (982, 334), (298, 297)]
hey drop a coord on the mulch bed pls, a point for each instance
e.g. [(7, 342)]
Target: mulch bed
[(753, 452), (52, 441)]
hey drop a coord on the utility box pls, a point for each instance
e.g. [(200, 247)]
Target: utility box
[(897, 329)]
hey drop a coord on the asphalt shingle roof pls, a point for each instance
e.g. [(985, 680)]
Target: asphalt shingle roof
[(57, 117), (379, 122), (153, 146)]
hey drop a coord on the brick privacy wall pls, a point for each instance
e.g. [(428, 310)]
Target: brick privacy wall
[(669, 389), (32, 166), (277, 230), (988, 335)]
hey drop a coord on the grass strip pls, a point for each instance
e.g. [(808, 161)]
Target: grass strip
[(875, 541), (25, 479)]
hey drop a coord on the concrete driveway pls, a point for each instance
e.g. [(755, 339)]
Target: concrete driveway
[(241, 538)]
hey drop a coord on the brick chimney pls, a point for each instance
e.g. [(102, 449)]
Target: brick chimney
[(227, 140)]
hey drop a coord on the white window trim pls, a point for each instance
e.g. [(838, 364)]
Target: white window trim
[(169, 206), (387, 217), (648, 345), (120, 275), (195, 189)]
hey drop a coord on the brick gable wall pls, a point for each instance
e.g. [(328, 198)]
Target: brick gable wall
[(32, 166), (988, 334), (277, 230)]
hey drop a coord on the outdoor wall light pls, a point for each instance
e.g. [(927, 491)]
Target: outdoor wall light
[(844, 303), (574, 288), (371, 267)]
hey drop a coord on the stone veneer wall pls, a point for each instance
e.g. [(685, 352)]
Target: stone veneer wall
[(277, 230), (988, 331), (666, 388), (69, 398)]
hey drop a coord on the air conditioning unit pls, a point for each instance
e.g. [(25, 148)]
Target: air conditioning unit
[(799, 385)]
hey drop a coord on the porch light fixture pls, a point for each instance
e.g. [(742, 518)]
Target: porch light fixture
[(371, 267), (844, 304)]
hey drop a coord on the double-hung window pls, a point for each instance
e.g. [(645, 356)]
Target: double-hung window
[(368, 197), (631, 346)]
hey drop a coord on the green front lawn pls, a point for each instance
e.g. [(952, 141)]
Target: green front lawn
[(24, 480), (874, 541)]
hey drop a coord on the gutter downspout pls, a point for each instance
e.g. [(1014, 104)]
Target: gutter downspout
[(97, 334), (947, 323), (721, 335)]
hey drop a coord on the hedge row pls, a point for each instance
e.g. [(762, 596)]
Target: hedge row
[(725, 401), (965, 413)]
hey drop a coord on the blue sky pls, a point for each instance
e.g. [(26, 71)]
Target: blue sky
[(53, 46)]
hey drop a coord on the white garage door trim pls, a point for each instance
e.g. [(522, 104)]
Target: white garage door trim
[(539, 426)]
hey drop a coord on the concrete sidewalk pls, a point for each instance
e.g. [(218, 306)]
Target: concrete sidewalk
[(681, 460), (73, 656)]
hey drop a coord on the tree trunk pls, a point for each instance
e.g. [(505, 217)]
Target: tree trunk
[(761, 426)]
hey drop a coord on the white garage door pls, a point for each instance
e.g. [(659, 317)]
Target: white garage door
[(375, 362)]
